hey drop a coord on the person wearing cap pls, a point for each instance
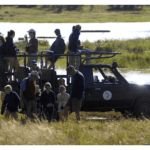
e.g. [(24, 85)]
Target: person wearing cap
[(12, 102), (62, 99), (28, 94), (34, 67), (77, 92), (73, 46), (32, 46), (58, 47), (47, 100)]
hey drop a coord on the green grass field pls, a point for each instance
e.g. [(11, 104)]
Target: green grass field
[(83, 14)]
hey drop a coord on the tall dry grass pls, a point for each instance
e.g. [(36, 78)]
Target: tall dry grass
[(114, 131)]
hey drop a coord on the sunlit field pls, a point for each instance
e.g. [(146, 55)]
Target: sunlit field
[(82, 14)]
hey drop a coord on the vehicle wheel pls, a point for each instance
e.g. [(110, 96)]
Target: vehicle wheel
[(142, 105)]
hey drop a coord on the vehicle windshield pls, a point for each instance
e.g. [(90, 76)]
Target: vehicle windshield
[(101, 75)]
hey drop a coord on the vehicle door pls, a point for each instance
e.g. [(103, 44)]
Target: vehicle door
[(108, 92)]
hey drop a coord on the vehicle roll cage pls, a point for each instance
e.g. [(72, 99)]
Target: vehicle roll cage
[(79, 53)]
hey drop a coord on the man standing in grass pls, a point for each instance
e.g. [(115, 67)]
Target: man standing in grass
[(73, 46), (58, 47), (77, 92), (32, 46), (28, 94), (12, 102)]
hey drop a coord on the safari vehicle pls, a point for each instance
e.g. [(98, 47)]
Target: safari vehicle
[(105, 88)]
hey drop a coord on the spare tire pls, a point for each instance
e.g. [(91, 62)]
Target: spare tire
[(142, 106)]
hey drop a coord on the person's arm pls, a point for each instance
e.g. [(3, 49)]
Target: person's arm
[(39, 71), (17, 99), (75, 39), (4, 105), (81, 86), (53, 98), (61, 46), (42, 99), (31, 43), (58, 99), (22, 88), (52, 46), (68, 96), (10, 47)]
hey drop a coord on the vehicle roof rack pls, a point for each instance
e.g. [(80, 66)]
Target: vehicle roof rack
[(101, 54)]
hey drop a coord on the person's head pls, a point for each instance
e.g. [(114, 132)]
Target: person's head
[(62, 89), (32, 33), (71, 70), (57, 32), (11, 33), (34, 75), (61, 81), (47, 86), (78, 27), (8, 89), (34, 64), (2, 40)]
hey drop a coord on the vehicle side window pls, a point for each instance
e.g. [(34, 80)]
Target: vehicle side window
[(103, 76), (97, 76)]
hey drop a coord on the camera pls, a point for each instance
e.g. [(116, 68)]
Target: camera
[(62, 107)]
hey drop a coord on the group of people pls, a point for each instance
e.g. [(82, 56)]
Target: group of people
[(9, 48), (28, 94)]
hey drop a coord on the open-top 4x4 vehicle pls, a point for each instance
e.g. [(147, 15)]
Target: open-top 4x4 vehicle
[(105, 88)]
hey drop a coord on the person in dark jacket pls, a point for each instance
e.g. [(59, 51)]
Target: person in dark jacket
[(47, 100), (3, 60), (12, 102), (11, 50), (28, 94), (77, 92), (73, 46), (58, 47)]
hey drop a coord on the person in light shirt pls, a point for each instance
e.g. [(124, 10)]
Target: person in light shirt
[(62, 99)]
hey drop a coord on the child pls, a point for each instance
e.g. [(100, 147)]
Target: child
[(61, 81), (62, 99), (35, 67), (47, 101), (12, 102)]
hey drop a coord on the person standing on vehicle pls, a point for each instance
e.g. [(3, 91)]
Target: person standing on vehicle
[(62, 99), (12, 102), (77, 92), (11, 50), (73, 46), (32, 46), (28, 94), (3, 60), (47, 100), (58, 47)]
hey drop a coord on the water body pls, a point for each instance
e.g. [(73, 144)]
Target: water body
[(119, 31), (136, 77)]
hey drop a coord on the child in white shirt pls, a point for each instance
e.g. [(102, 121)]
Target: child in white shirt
[(62, 99)]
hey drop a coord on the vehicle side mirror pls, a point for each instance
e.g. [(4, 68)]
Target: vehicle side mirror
[(114, 65)]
